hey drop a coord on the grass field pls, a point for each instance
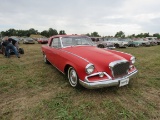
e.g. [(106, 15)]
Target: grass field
[(33, 90)]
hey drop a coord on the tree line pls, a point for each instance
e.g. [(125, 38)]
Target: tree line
[(20, 33), (141, 35), (50, 32)]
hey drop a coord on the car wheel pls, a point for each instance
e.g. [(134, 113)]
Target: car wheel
[(21, 50), (116, 45), (3, 51), (143, 44), (45, 59), (73, 77), (100, 46)]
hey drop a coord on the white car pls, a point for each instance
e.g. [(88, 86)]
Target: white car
[(118, 43), (28, 40)]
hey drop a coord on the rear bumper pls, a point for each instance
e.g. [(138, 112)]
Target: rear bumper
[(106, 83)]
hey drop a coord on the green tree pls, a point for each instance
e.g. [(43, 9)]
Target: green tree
[(156, 35), (120, 34), (52, 32), (95, 34), (62, 32), (146, 35), (88, 35), (32, 31), (142, 35), (45, 33)]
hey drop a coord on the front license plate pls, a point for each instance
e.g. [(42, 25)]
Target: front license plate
[(124, 82)]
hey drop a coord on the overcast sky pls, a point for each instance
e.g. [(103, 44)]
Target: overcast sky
[(82, 16)]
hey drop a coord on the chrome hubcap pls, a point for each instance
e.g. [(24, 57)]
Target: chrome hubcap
[(44, 57), (73, 77)]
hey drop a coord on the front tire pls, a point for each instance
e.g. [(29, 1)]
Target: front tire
[(73, 77), (116, 45)]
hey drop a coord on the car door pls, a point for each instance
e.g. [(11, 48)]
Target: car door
[(54, 56)]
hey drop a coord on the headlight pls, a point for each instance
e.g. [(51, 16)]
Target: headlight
[(89, 68), (133, 60)]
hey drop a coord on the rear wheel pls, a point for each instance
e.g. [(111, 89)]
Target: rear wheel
[(45, 59), (3, 51), (21, 50), (73, 77), (143, 44), (100, 46)]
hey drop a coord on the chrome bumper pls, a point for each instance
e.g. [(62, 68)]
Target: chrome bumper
[(106, 83)]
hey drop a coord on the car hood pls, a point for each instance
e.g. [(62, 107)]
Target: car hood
[(97, 56)]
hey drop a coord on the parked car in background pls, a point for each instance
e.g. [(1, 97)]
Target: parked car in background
[(104, 43), (152, 40), (133, 44), (118, 43), (158, 41), (142, 42), (28, 40), (42, 40), (96, 39), (86, 65), (16, 38), (0, 45)]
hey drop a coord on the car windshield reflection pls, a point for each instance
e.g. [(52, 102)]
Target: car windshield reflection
[(76, 41)]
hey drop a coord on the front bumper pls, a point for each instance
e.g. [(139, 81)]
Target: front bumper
[(106, 83)]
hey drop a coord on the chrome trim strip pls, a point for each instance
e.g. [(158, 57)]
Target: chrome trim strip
[(76, 56), (109, 77), (112, 64), (106, 83)]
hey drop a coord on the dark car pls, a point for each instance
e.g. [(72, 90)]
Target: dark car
[(15, 38), (0, 45)]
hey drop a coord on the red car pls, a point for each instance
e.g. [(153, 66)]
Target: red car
[(86, 65), (42, 40)]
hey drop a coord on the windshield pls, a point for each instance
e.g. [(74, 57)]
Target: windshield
[(113, 39), (43, 38), (75, 41), (29, 39), (122, 39)]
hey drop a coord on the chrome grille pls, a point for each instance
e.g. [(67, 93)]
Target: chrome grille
[(120, 68)]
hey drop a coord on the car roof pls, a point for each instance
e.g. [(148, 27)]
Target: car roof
[(69, 35)]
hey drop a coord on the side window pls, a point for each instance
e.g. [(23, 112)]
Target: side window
[(56, 43)]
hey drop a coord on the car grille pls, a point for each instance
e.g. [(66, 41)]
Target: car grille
[(120, 69)]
